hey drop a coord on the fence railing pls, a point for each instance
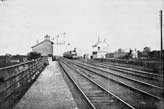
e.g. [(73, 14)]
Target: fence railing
[(15, 78)]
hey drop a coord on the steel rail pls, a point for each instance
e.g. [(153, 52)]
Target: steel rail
[(123, 69), (97, 84), (129, 78), (136, 70), (141, 91), (73, 81)]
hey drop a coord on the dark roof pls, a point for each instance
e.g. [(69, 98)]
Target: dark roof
[(95, 45), (41, 43)]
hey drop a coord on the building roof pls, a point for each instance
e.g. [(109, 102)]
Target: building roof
[(96, 44), (100, 43), (41, 43)]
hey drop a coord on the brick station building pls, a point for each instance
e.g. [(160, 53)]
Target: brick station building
[(45, 48)]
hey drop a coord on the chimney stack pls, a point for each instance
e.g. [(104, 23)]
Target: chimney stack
[(46, 37)]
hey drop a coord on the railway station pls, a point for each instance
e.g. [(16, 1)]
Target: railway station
[(74, 82), (72, 54)]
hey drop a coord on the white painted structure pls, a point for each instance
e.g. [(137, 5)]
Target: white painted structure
[(45, 47), (100, 49), (135, 54)]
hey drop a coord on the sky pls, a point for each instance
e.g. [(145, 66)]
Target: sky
[(123, 23)]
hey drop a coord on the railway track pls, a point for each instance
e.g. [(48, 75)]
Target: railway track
[(138, 97), (130, 71), (96, 96), (142, 84), (129, 66)]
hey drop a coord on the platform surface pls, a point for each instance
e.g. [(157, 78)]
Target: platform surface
[(49, 91)]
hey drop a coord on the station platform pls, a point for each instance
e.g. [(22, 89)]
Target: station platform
[(49, 91)]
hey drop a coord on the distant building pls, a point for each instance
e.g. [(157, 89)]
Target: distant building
[(109, 55), (120, 53), (135, 54), (145, 52), (45, 48), (100, 49)]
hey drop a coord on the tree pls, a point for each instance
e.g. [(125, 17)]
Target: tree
[(33, 55), (146, 52)]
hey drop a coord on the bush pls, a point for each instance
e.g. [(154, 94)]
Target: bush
[(33, 55)]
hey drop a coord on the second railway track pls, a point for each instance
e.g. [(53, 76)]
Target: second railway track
[(135, 97), (131, 71), (136, 83), (97, 96)]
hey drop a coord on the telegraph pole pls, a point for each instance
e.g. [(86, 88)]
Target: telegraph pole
[(161, 23), (161, 54), (57, 43)]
